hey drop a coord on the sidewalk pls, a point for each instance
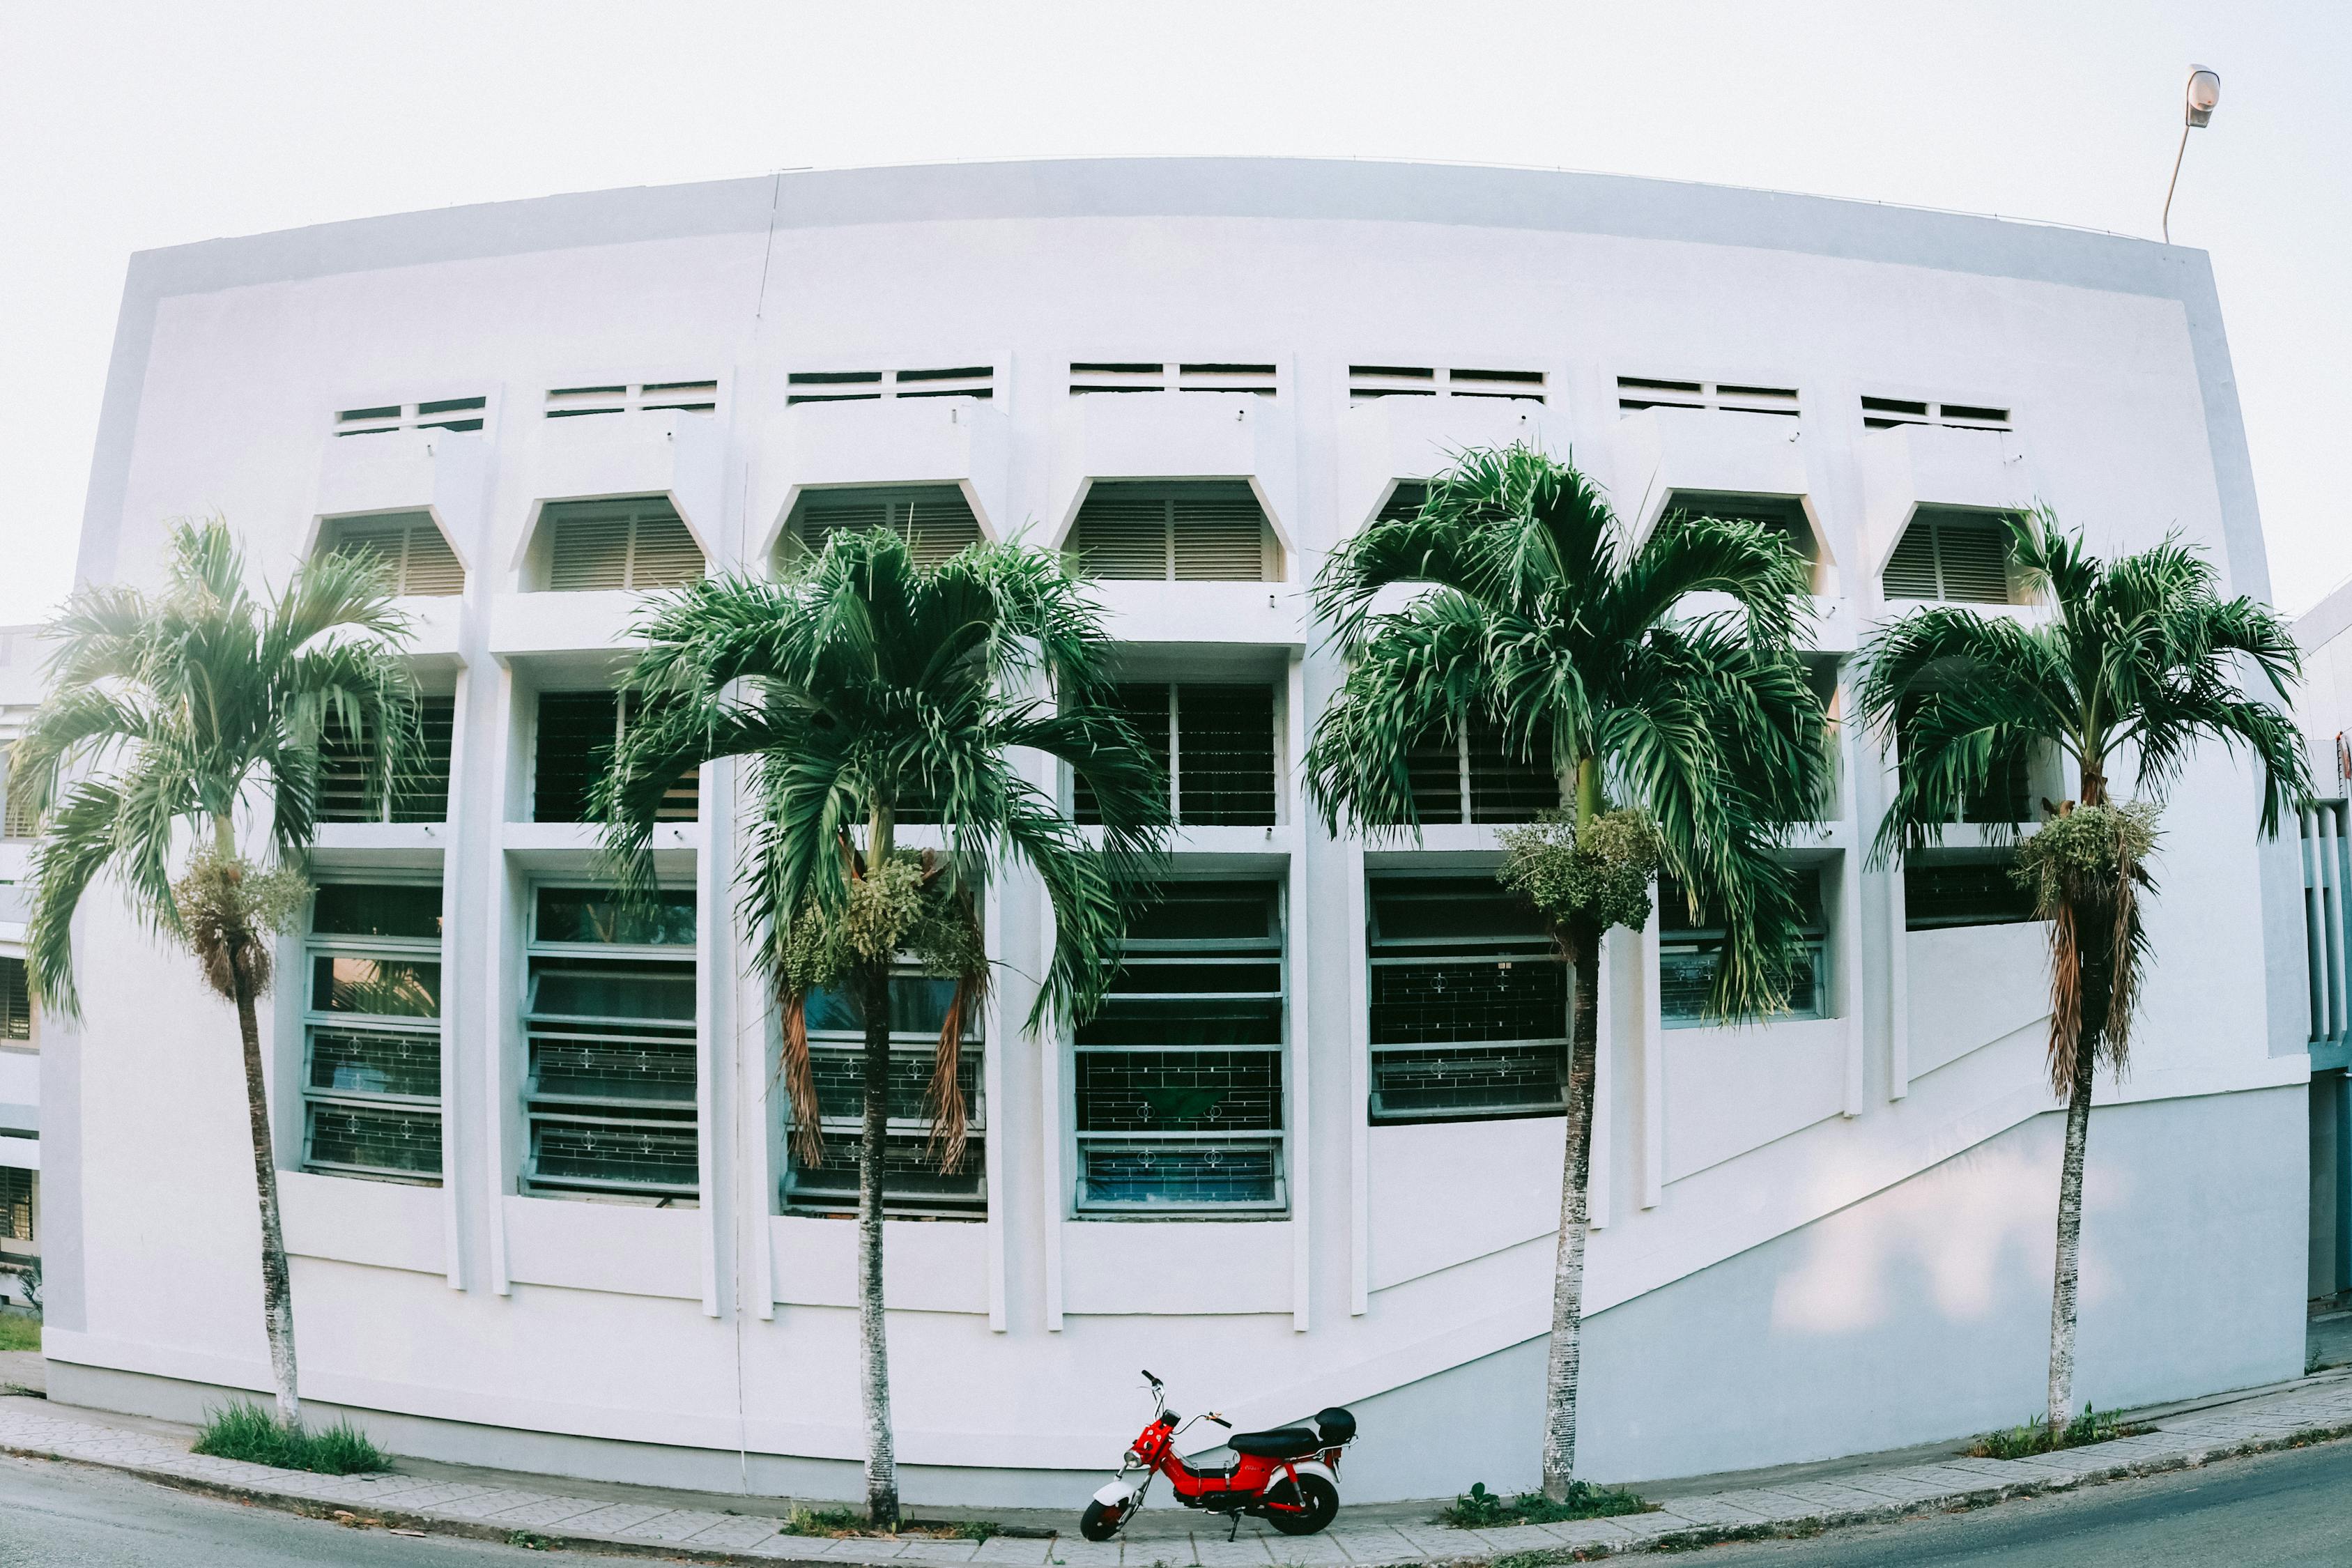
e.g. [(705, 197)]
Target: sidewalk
[(1800, 1499)]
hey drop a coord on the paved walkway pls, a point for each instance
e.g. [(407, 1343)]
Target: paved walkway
[(486, 1504)]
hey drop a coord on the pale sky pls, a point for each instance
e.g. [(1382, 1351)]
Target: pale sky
[(129, 126)]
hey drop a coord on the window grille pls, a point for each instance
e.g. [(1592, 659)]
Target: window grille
[(2327, 875), (17, 818), (371, 1033), (609, 1016), (1179, 1078), (936, 520), (576, 733), (1690, 950), (1196, 531), (1952, 554), (15, 1001), (1975, 892), (435, 414), (1784, 515), (345, 757), (1885, 413), (913, 1183), (1635, 393), (1475, 777), (600, 546), (1469, 1002), (16, 1205), (870, 386), (1129, 375), (1214, 742), (1368, 381), (409, 546), (688, 396)]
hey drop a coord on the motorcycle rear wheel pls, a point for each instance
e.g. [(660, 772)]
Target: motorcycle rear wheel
[(1101, 1521), (1317, 1499)]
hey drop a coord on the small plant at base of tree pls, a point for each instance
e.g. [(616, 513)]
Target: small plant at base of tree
[(825, 1522), (244, 1430), (2031, 1437), (1480, 1509)]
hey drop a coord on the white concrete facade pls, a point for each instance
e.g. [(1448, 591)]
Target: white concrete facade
[(1812, 1237), (20, 1062)]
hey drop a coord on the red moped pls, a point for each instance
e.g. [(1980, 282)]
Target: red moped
[(1290, 1477)]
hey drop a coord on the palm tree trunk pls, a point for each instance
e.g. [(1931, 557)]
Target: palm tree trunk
[(1567, 1268), (276, 1282), (874, 1340), (2093, 926)]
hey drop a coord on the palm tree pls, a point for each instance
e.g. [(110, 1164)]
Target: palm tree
[(190, 708), (866, 692), (2142, 658), (1543, 618)]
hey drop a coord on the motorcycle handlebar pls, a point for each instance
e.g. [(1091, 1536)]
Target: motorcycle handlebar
[(1220, 1420), (1150, 1379)]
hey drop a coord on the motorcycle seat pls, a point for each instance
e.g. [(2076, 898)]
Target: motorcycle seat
[(1281, 1443)]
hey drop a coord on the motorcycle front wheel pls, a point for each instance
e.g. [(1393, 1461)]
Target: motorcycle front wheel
[(1102, 1519), (1317, 1499)]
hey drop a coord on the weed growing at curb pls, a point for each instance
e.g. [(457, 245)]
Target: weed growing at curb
[(529, 1540), (243, 1430), (1480, 1509), (18, 1332), (849, 1522), (2029, 1438), (823, 1522)]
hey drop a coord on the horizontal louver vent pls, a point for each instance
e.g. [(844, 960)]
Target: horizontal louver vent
[(1210, 375), (415, 557), (936, 520), (1211, 531), (577, 733), (1404, 501), (1366, 381), (871, 386), (434, 413), (605, 545), (1952, 554), (347, 792), (1636, 393), (692, 397), (1885, 413)]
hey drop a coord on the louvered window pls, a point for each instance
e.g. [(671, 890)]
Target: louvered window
[(1368, 381), (1208, 531), (1977, 890), (609, 1015), (629, 397), (15, 1001), (1210, 375), (1404, 502), (16, 1203), (1636, 393), (371, 1033), (1690, 952), (872, 385), (1476, 777), (1215, 742), (1178, 1080), (1952, 554), (1784, 515), (913, 1182), (936, 520), (17, 818), (434, 414), (345, 759), (409, 546), (1468, 1002), (1885, 413), (577, 733), (601, 545)]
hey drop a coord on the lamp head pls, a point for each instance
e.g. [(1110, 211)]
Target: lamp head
[(2204, 93)]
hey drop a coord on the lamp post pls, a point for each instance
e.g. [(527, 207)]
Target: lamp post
[(2203, 93)]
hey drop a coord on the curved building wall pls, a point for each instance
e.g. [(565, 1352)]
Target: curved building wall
[(1856, 1205)]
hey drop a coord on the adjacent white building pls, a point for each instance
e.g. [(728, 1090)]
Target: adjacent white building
[(20, 1062), (536, 1178)]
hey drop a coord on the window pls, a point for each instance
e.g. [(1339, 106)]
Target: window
[(1784, 515), (577, 733), (1367, 382), (912, 1182), (434, 413), (15, 1001), (1215, 742), (1885, 413), (16, 820), (870, 386), (608, 1014), (935, 520), (1404, 502), (688, 396), (1690, 949), (1178, 1078), (1636, 393), (345, 756), (1469, 1002), (1475, 777), (1952, 554), (1128, 375), (600, 546), (371, 1032), (16, 1204), (1977, 890), (1201, 531), (409, 546)]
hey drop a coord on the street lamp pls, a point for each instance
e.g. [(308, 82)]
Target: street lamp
[(2204, 91)]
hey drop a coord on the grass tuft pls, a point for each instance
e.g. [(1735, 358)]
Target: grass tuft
[(1480, 1509), (825, 1522), (850, 1521), (2031, 1437), (18, 1332), (244, 1430)]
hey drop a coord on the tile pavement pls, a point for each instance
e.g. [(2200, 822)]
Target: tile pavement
[(2313, 1410)]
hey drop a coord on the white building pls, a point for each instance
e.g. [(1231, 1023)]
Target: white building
[(2324, 709), (20, 1062), (1825, 1235)]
